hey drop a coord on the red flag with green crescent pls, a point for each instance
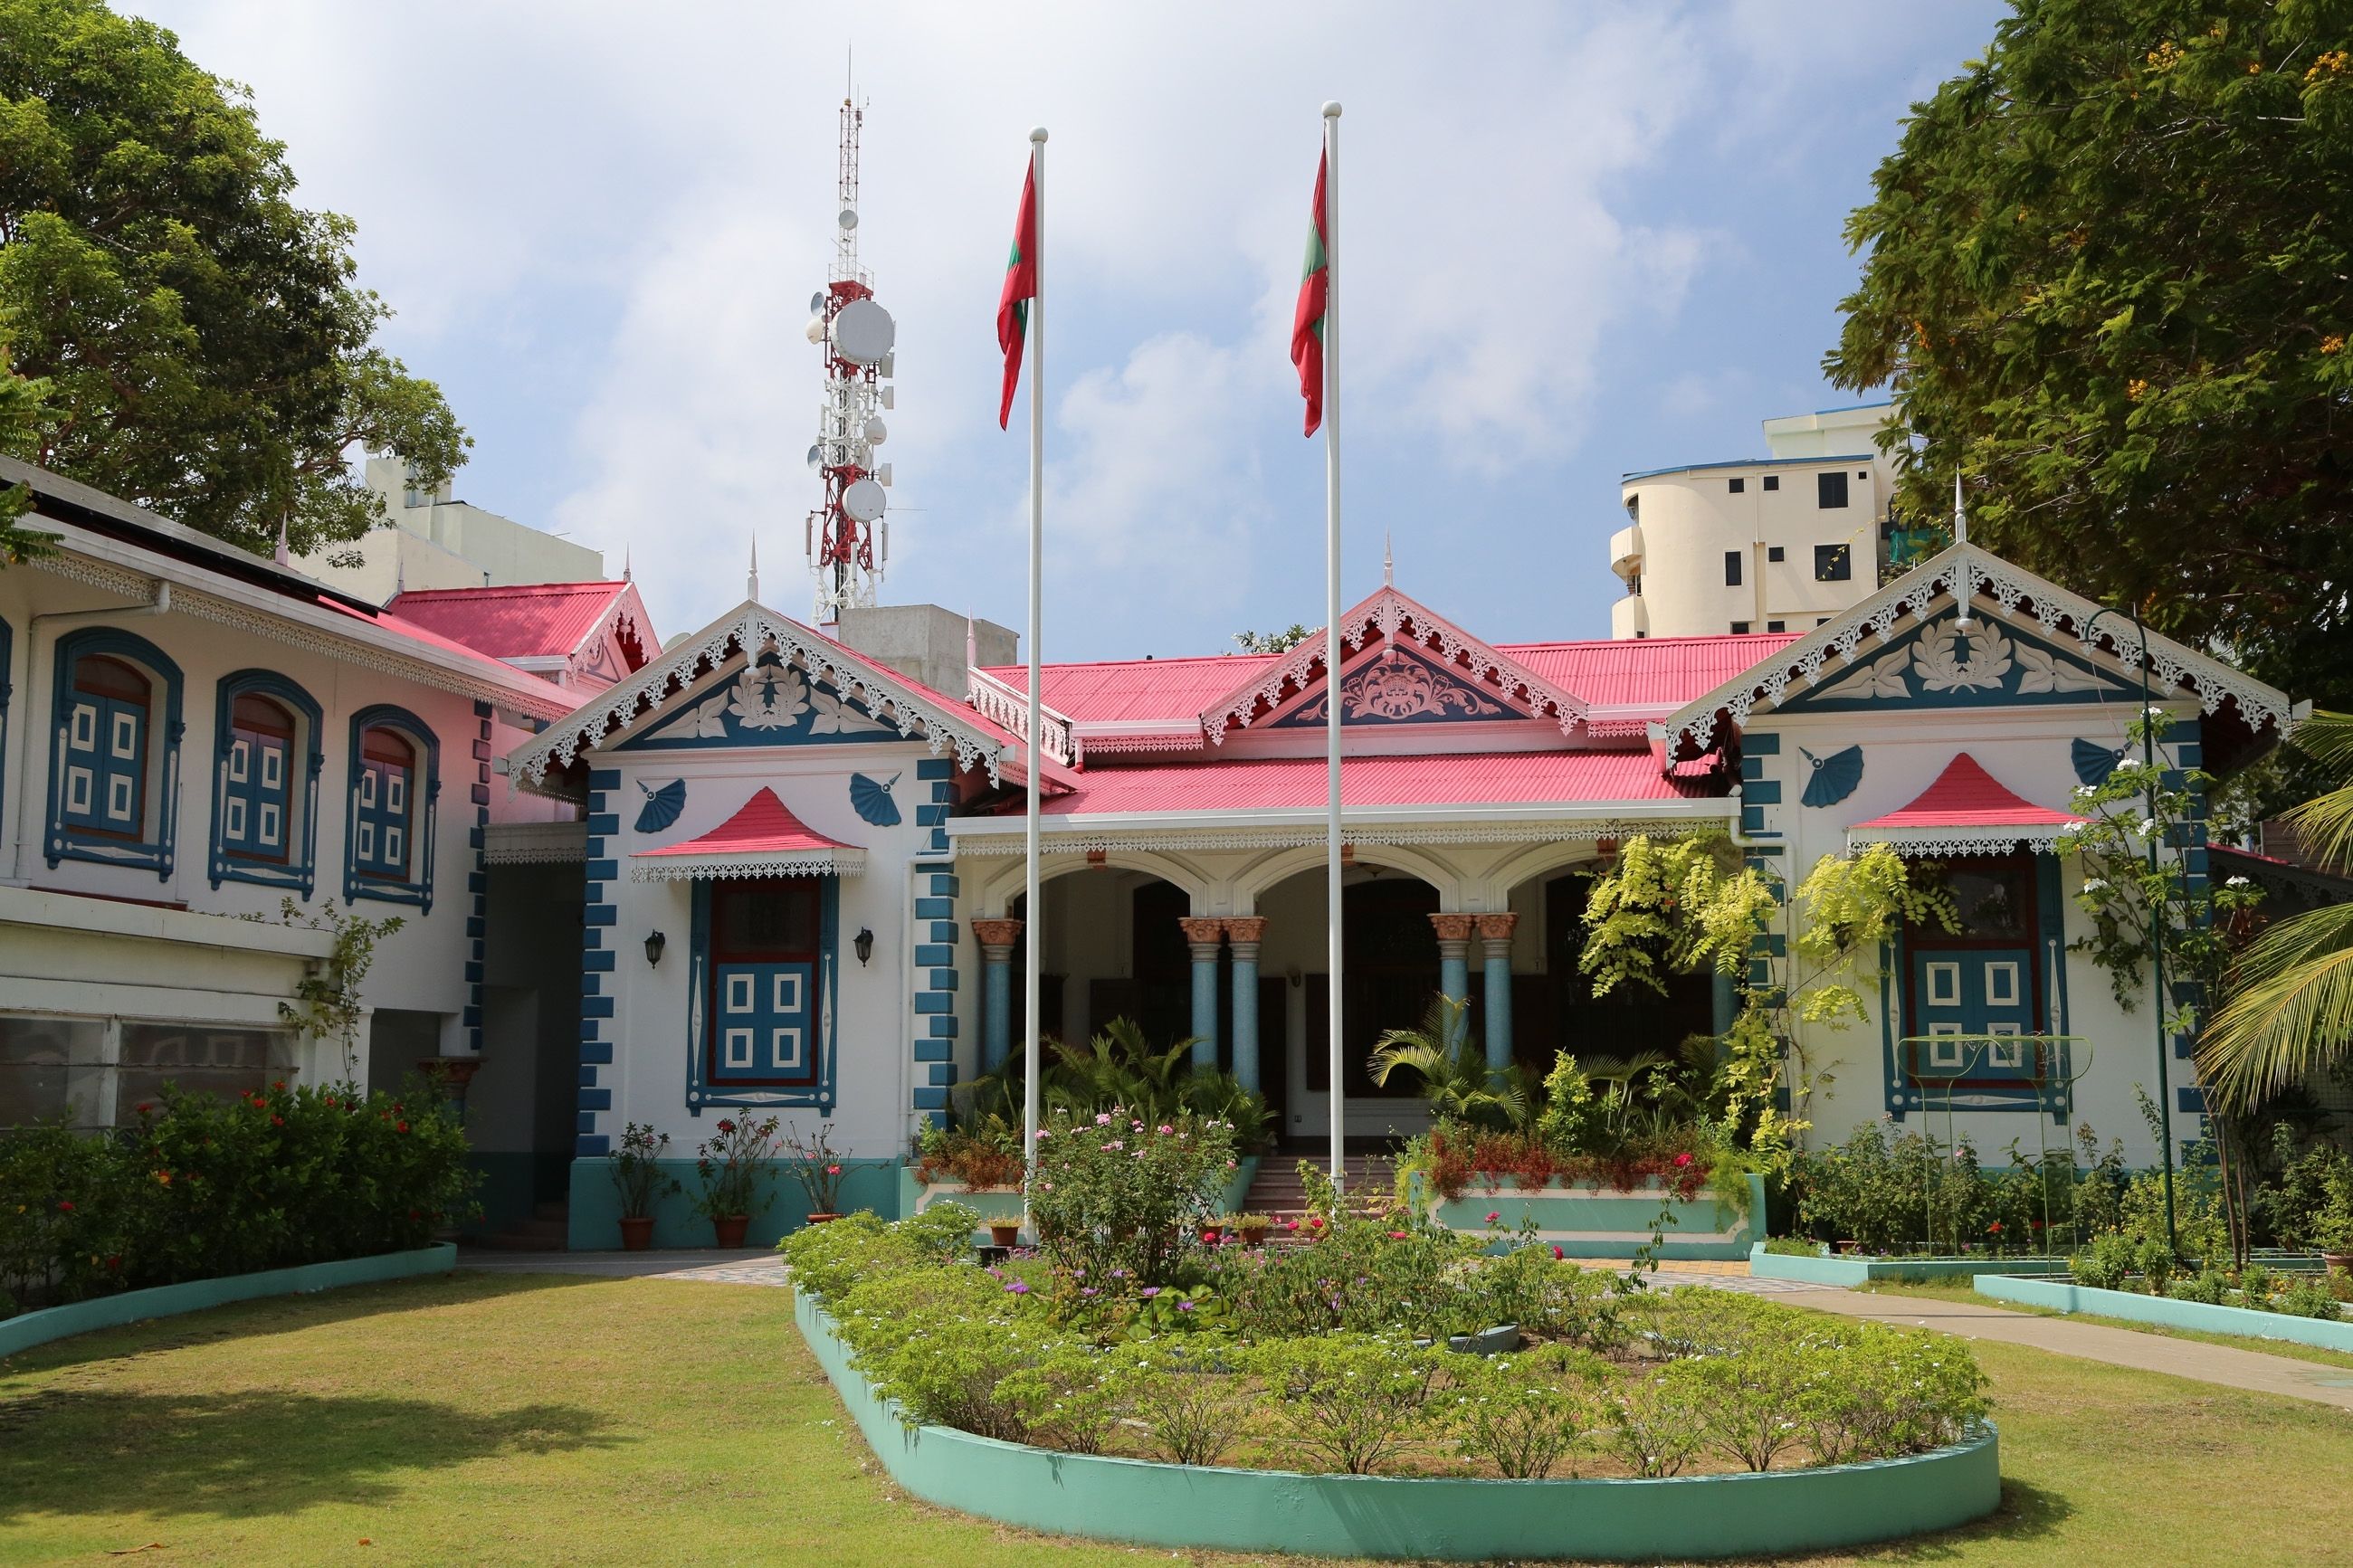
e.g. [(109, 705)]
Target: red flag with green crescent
[(1021, 287), (1307, 320)]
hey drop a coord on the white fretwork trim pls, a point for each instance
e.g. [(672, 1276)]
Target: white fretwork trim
[(534, 843), (196, 602), (787, 863), (1121, 743), (748, 630), (1959, 573), (995, 700), (1914, 841), (1387, 613)]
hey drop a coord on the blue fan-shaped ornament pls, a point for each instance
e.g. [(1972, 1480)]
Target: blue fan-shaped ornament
[(1834, 776), (872, 800), (2094, 763), (662, 805)]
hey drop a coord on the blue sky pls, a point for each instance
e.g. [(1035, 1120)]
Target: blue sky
[(1578, 240)]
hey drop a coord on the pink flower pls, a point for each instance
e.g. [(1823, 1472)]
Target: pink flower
[(1558, 1255), (1165, 1130), (1494, 1214), (1043, 1134), (1103, 1118), (1396, 1235), (833, 1169)]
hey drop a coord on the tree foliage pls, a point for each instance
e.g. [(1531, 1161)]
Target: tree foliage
[(2109, 279), (207, 350)]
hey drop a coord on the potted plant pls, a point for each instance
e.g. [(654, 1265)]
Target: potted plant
[(816, 1165), (637, 1176), (1005, 1233), (1252, 1228), (730, 1166), (1211, 1230), (2332, 1224)]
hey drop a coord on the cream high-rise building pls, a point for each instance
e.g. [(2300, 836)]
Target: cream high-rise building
[(1777, 543)]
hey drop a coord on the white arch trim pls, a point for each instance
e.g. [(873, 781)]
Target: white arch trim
[(996, 883)]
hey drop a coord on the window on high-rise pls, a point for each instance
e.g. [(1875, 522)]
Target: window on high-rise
[(1732, 568), (1830, 490), (1833, 562)]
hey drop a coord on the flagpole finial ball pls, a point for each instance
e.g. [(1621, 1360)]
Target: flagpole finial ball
[(1039, 134), (1332, 110)]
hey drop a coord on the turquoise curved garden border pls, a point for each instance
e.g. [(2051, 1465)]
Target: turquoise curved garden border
[(31, 1329), (2164, 1311), (1460, 1521)]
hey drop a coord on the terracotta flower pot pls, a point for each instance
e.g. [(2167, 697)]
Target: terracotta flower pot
[(1005, 1235), (1253, 1235), (821, 1218), (731, 1229), (2337, 1262), (637, 1232), (1209, 1234)]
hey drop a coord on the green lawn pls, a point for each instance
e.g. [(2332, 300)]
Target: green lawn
[(1956, 1291), (486, 1418)]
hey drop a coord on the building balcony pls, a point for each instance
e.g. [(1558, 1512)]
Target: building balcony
[(1626, 551), (1629, 617)]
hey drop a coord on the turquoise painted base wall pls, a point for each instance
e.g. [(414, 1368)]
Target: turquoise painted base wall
[(2060, 1296), (595, 1218), (1851, 1271), (40, 1328), (1185, 1507), (1586, 1223)]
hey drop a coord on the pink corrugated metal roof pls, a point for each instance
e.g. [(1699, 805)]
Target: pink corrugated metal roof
[(1481, 778), (415, 632), (1662, 672), (1657, 672), (539, 620), (1136, 689), (1965, 795)]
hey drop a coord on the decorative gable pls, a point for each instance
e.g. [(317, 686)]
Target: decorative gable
[(1940, 664), (1399, 683), (767, 703), (1466, 664)]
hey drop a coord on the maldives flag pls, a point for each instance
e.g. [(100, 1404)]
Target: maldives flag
[(1021, 287), (1307, 320)]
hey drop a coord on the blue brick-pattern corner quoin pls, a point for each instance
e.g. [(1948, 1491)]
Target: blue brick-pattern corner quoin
[(933, 1046), (595, 962)]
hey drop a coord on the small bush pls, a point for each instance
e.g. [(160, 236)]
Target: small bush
[(1346, 1402), (2107, 1265), (1194, 1413), (1115, 1192), (1524, 1413), (2310, 1298)]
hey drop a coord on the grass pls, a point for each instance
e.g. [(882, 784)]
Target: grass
[(487, 1418), (1956, 1291)]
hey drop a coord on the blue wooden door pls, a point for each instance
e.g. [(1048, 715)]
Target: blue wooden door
[(1973, 991), (764, 1023)]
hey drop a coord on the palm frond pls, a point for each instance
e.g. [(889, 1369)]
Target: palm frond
[(2289, 1010), (1604, 1068)]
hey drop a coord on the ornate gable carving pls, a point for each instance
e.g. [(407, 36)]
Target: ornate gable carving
[(1398, 684), (768, 702), (1941, 666)]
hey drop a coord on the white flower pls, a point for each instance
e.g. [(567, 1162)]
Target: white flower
[(2147, 827), (2235, 882), (2093, 884)]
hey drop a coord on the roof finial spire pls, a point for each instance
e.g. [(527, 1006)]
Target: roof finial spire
[(752, 578), (1388, 564), (1961, 517), (627, 575), (971, 642)]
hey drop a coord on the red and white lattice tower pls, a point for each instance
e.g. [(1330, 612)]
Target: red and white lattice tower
[(849, 543)]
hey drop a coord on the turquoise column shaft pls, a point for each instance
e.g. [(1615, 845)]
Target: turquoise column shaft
[(1454, 970), (1205, 1006), (1498, 977), (1245, 932), (996, 1004)]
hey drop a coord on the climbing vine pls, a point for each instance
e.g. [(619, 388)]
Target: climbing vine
[(327, 999), (1678, 908)]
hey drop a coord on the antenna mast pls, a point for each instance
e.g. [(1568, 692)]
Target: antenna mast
[(849, 542)]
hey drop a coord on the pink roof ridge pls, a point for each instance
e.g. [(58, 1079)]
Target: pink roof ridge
[(762, 826), (1965, 795), (531, 620)]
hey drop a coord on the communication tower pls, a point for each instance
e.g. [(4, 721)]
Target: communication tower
[(849, 542)]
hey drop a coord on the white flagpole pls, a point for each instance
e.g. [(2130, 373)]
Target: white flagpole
[(1030, 909), (1334, 643)]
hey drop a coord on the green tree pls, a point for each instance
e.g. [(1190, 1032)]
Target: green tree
[(2109, 278), (207, 350), (1283, 641), (2290, 1008)]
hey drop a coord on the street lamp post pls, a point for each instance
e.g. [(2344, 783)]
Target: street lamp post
[(2157, 915)]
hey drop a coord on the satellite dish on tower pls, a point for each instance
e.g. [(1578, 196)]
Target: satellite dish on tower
[(864, 500), (864, 332), (816, 303), (877, 432), (816, 457), (815, 331), (848, 217)]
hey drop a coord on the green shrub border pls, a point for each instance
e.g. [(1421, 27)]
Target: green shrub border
[(1145, 1502), (31, 1329), (2064, 1296)]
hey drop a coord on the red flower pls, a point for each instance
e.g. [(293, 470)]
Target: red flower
[(400, 1127), (1316, 1222), (1680, 1160), (279, 1084), (1994, 1229), (1558, 1255), (278, 1122), (114, 1264), (726, 1127), (64, 1206), (833, 1169)]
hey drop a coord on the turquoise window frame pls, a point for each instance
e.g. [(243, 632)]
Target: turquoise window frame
[(300, 792), (702, 1091), (154, 847), (422, 812)]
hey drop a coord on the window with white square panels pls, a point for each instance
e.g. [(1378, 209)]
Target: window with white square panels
[(393, 799), (267, 761), (114, 757)]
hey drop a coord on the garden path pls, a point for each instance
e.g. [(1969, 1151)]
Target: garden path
[(2192, 1359), (743, 1265)]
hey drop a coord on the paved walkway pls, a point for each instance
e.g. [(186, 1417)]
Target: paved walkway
[(2191, 1359), (745, 1266)]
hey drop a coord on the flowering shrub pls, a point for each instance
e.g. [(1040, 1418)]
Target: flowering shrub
[(1619, 1381), (1455, 1158), (977, 1160), (1117, 1193), (816, 1165), (197, 1188), (730, 1165), (636, 1170)]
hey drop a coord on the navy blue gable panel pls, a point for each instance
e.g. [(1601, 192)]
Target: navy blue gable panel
[(1938, 665), (765, 702)]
